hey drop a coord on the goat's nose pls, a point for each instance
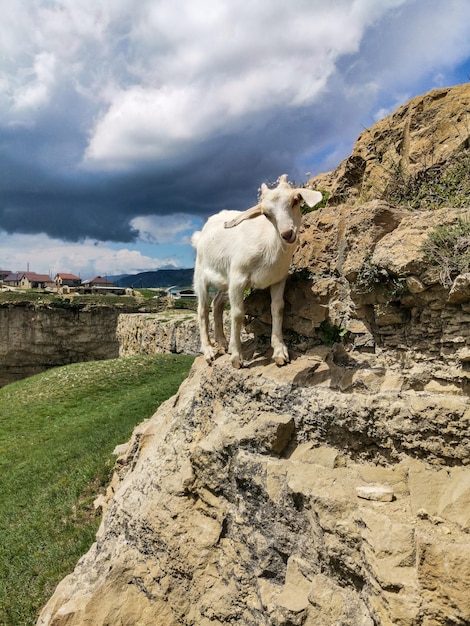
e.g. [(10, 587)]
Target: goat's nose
[(289, 235)]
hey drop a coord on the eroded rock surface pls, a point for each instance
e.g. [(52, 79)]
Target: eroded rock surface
[(35, 338), (427, 131), (253, 497), (158, 333)]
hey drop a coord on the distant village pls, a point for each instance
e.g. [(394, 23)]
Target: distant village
[(69, 283), (61, 282)]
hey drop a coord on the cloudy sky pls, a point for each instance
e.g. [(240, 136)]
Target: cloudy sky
[(125, 124)]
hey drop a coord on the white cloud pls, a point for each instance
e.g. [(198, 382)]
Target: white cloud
[(193, 102), (43, 254), (165, 75), (163, 228), (35, 92), (204, 67)]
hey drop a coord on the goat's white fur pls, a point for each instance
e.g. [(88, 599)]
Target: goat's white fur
[(253, 248)]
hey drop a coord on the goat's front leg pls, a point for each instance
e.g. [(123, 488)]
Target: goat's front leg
[(237, 312), (280, 352)]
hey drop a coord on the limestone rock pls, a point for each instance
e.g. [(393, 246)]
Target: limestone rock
[(460, 290), (35, 338), (400, 252), (340, 238), (237, 503), (378, 493), (157, 333), (428, 130), (160, 333)]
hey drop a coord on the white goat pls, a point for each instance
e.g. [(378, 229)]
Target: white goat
[(253, 248)]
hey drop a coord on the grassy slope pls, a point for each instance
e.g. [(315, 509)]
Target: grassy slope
[(57, 433)]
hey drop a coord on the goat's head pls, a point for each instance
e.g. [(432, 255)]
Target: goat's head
[(281, 205)]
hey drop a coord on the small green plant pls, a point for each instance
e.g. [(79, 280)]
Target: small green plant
[(331, 333), (433, 187), (371, 276), (448, 247)]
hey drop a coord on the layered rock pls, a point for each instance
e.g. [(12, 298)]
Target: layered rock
[(426, 132), (157, 333), (361, 271), (270, 496)]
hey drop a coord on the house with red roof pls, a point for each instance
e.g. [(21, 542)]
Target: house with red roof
[(98, 281), (67, 280)]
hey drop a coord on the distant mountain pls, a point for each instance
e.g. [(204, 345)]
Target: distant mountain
[(158, 278)]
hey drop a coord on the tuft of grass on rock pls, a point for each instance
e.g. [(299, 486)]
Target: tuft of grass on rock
[(448, 247), (439, 186), (57, 433)]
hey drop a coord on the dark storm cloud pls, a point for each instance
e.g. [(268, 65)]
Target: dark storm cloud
[(222, 171), (113, 111)]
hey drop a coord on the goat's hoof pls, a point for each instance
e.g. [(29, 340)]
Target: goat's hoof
[(209, 355), (281, 357), (236, 361)]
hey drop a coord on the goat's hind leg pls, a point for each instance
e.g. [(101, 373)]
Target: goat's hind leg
[(237, 314), (207, 348), (218, 305)]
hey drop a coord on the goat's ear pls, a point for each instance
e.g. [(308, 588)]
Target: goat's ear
[(255, 211), (309, 196)]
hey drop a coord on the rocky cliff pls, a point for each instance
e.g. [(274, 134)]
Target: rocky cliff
[(424, 135), (160, 333), (35, 338), (333, 491), (157, 333)]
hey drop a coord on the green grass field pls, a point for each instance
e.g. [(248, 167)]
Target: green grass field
[(57, 433)]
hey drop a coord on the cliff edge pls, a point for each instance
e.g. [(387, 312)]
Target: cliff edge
[(332, 491)]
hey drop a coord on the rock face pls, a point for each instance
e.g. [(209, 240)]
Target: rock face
[(33, 339), (157, 333), (376, 287), (270, 496), (333, 491), (427, 131)]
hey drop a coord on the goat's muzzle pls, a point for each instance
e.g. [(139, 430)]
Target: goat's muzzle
[(289, 236)]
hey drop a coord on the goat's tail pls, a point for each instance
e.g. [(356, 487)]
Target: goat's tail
[(195, 238)]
